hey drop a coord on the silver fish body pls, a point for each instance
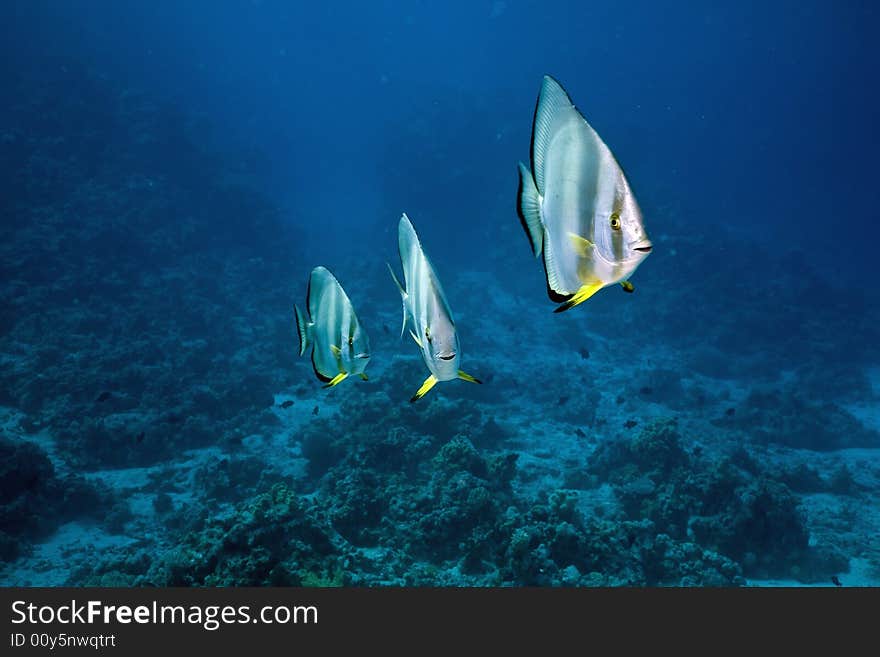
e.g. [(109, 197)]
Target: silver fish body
[(340, 345), (576, 204), (426, 311)]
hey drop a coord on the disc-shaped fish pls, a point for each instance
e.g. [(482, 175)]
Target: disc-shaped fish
[(576, 205), (427, 311), (340, 345)]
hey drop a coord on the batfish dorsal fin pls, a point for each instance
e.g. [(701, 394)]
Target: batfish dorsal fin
[(553, 110)]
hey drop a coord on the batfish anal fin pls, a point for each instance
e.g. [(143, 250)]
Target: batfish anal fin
[(336, 380), (429, 383), (584, 293)]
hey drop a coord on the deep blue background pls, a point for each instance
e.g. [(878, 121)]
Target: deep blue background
[(758, 116)]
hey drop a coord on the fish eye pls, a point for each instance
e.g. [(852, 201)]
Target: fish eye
[(428, 334), (350, 340), (615, 221)]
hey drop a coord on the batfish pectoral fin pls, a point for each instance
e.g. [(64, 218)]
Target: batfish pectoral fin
[(627, 286), (584, 293), (581, 245), (464, 376), (364, 377), (429, 383), (337, 354), (336, 380)]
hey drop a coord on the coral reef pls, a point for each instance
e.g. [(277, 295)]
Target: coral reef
[(273, 539), (786, 418), (34, 499), (750, 518)]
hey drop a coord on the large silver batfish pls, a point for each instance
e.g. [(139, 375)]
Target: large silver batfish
[(576, 205), (426, 308), (340, 344)]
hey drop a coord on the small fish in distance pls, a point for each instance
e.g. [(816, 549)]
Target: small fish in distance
[(425, 308), (340, 346)]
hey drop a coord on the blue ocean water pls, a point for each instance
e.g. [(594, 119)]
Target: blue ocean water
[(171, 172)]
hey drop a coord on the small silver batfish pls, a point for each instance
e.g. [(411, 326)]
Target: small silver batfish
[(426, 309), (576, 205), (340, 344)]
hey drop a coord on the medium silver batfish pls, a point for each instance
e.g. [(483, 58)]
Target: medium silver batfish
[(576, 205), (425, 307), (340, 344)]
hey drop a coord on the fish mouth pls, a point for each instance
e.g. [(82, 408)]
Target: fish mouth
[(362, 355), (646, 248), (444, 357)]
